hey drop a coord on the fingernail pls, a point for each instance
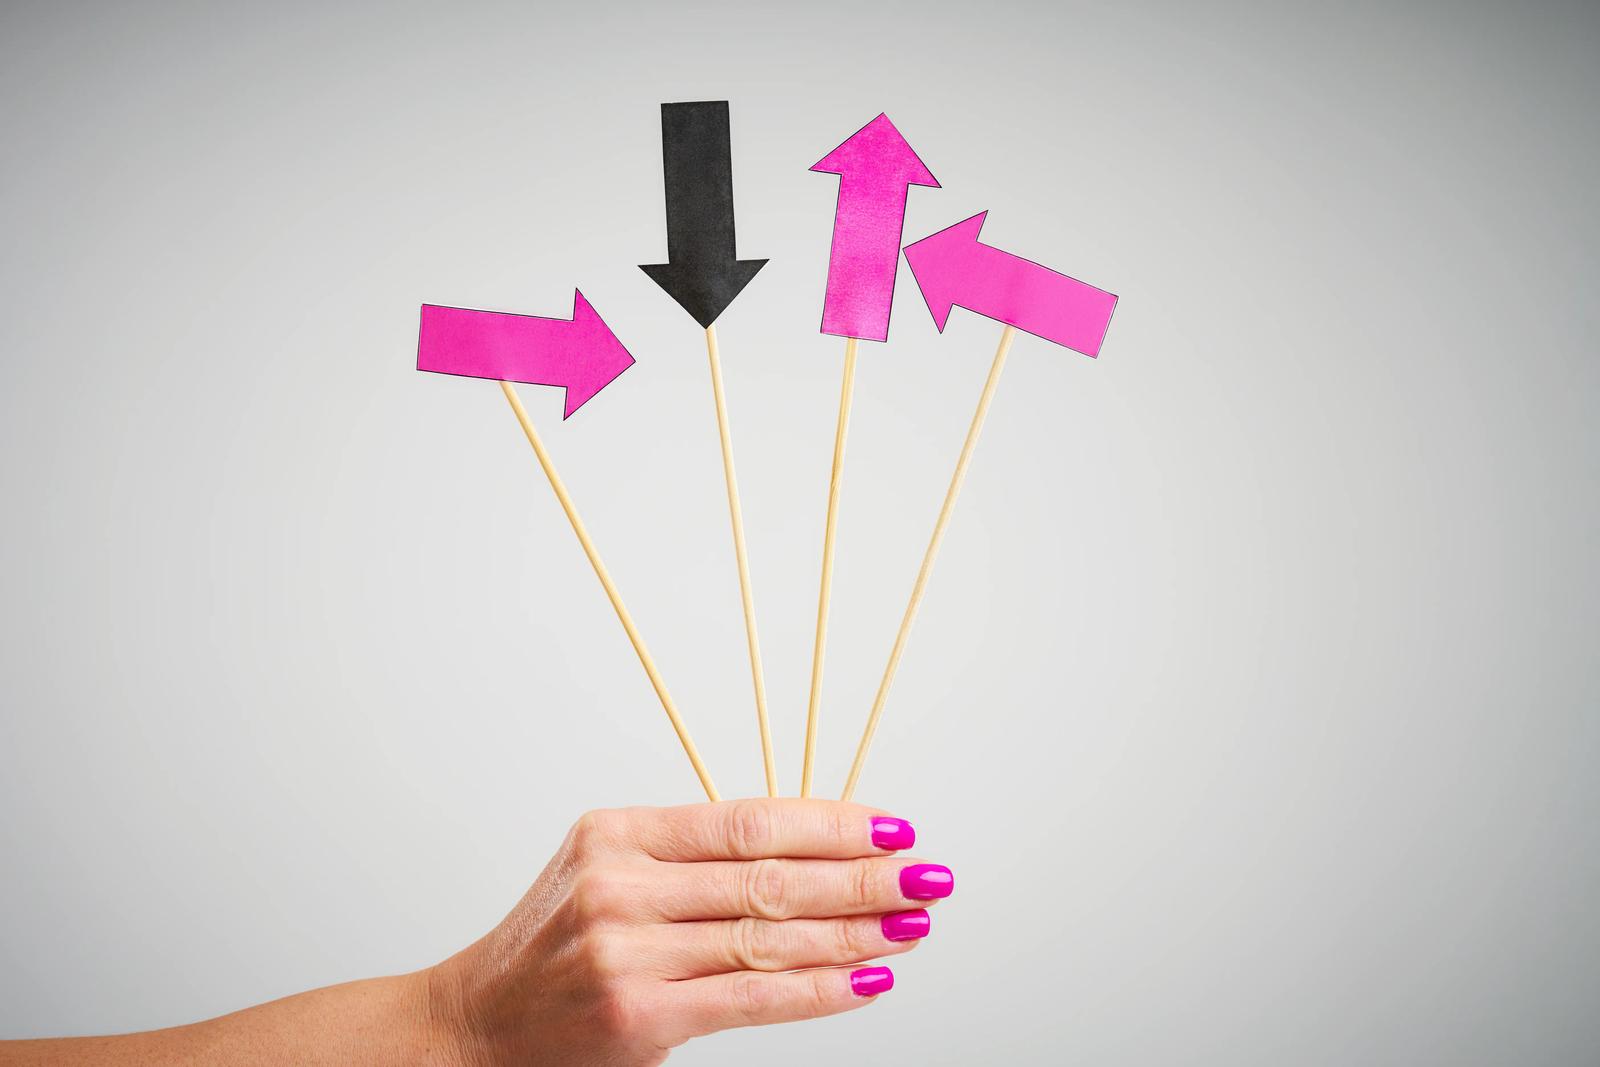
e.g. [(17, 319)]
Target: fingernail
[(870, 981), (906, 925), (926, 881), (892, 834)]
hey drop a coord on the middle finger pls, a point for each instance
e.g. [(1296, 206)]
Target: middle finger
[(794, 888)]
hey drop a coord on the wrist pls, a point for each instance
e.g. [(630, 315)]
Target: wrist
[(442, 1033)]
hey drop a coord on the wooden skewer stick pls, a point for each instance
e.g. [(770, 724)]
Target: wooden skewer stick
[(846, 390), (757, 676), (917, 591), (611, 592)]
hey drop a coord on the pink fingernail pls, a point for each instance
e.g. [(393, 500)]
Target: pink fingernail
[(906, 925), (870, 981), (892, 834), (926, 881)]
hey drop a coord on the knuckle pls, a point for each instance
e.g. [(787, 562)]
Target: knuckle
[(863, 887), (751, 995), (766, 889), (748, 828), (758, 945), (605, 958), (595, 832), (819, 993), (618, 1012), (597, 895), (850, 940), (845, 829)]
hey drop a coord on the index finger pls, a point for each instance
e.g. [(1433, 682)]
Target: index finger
[(769, 828)]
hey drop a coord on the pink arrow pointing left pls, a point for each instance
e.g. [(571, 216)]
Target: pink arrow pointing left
[(952, 267), (876, 169), (580, 354)]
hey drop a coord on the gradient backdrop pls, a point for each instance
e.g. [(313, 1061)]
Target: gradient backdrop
[(1255, 701)]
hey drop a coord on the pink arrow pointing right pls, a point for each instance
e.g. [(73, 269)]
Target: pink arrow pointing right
[(952, 267), (876, 169), (581, 353)]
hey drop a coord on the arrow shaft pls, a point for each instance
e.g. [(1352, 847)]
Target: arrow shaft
[(746, 595), (487, 344), (926, 570), (825, 594), (863, 258), (1032, 297), (610, 587), (697, 160)]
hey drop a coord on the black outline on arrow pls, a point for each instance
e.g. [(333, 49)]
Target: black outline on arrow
[(905, 204)]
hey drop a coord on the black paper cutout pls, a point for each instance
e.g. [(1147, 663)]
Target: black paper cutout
[(703, 272)]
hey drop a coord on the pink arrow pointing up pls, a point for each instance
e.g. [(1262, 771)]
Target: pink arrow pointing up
[(876, 169), (581, 353), (952, 267)]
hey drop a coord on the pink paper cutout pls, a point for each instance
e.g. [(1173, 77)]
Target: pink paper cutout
[(580, 354), (951, 267), (876, 169)]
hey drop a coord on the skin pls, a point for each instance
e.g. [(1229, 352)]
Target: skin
[(649, 927)]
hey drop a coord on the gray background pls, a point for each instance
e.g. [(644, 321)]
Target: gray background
[(1254, 701)]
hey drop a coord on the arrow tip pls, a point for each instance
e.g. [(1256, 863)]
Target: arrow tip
[(704, 290), (878, 148), (605, 357), (938, 261)]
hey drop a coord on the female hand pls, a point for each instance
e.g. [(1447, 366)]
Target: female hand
[(655, 925), (649, 927)]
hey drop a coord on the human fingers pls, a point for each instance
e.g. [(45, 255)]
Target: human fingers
[(790, 889), (758, 828), (697, 949), (756, 998)]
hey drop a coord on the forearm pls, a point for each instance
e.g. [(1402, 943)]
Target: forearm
[(378, 1020)]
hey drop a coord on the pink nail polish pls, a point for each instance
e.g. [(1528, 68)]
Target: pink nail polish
[(906, 925), (926, 881), (892, 834), (870, 981)]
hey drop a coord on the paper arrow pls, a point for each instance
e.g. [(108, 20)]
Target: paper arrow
[(952, 267), (702, 272), (876, 169), (581, 353)]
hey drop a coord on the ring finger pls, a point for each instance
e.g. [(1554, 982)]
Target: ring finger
[(697, 949)]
